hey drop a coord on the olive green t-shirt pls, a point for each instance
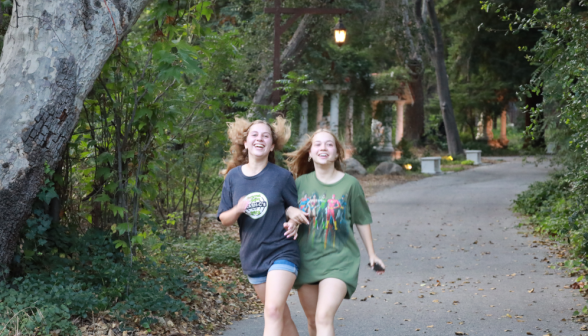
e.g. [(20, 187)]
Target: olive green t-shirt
[(327, 246)]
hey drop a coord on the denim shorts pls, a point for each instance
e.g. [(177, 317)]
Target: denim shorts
[(278, 265)]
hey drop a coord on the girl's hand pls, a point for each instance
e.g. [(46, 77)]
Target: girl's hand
[(242, 205), (291, 229), (297, 215), (375, 260)]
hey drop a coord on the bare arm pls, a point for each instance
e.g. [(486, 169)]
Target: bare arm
[(229, 217), (365, 231), (297, 215)]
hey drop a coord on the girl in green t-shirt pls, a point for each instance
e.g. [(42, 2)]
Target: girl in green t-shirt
[(329, 256)]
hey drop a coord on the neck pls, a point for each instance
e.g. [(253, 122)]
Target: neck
[(326, 172), (255, 165)]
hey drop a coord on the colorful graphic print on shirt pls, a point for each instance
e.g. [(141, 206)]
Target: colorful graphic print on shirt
[(257, 205), (328, 219)]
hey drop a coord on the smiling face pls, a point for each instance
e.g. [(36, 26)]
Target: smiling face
[(259, 142), (323, 150)]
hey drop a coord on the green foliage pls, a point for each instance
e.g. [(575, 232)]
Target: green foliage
[(93, 277), (365, 150), (555, 207), (406, 148), (210, 248), (467, 163)]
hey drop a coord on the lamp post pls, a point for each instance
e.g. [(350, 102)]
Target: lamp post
[(280, 28)]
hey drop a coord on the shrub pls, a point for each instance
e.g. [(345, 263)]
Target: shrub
[(365, 151), (95, 277), (467, 163)]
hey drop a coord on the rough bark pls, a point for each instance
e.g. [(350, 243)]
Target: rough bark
[(436, 51), (53, 52), (288, 60), (414, 116)]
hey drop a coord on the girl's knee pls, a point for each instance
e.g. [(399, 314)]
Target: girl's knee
[(273, 311), (323, 319)]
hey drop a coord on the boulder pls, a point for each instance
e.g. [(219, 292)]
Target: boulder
[(388, 168), (353, 167)]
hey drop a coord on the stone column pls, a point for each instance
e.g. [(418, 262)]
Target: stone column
[(400, 104), (334, 114), (388, 129), (320, 97), (349, 149), (303, 121), (376, 125), (481, 133)]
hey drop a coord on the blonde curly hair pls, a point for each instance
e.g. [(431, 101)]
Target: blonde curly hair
[(299, 163), (238, 131)]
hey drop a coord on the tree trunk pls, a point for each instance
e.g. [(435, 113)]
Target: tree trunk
[(437, 55), (288, 59), (414, 114), (53, 52)]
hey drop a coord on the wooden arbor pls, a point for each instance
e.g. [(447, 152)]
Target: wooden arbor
[(280, 28)]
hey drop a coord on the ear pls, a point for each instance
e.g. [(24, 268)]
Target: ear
[(272, 149)]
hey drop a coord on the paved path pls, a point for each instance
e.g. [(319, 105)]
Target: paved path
[(456, 262)]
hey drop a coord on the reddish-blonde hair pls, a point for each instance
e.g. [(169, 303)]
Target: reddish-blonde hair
[(298, 162), (237, 132)]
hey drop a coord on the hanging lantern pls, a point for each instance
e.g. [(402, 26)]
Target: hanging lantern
[(340, 33)]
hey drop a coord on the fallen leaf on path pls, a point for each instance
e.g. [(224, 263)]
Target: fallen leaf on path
[(531, 290)]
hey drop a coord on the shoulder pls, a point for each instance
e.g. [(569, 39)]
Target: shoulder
[(304, 178), (351, 179), (233, 173), (281, 172), (353, 183)]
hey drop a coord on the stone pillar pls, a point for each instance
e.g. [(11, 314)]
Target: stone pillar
[(376, 125), (334, 114), (400, 104), (303, 121), (388, 129), (349, 149), (320, 97)]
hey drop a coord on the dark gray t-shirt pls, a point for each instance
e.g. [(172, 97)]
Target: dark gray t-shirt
[(261, 227)]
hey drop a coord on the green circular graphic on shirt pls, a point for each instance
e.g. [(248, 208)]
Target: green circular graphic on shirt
[(257, 205)]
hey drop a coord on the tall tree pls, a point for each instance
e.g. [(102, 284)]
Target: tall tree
[(414, 115), (52, 54), (436, 51)]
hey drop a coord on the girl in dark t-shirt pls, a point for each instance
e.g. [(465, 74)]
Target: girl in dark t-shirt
[(259, 196)]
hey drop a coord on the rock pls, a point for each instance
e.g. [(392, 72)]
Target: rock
[(353, 167), (388, 168)]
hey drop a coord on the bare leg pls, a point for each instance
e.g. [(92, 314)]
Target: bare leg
[(273, 294), (308, 295), (331, 293)]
